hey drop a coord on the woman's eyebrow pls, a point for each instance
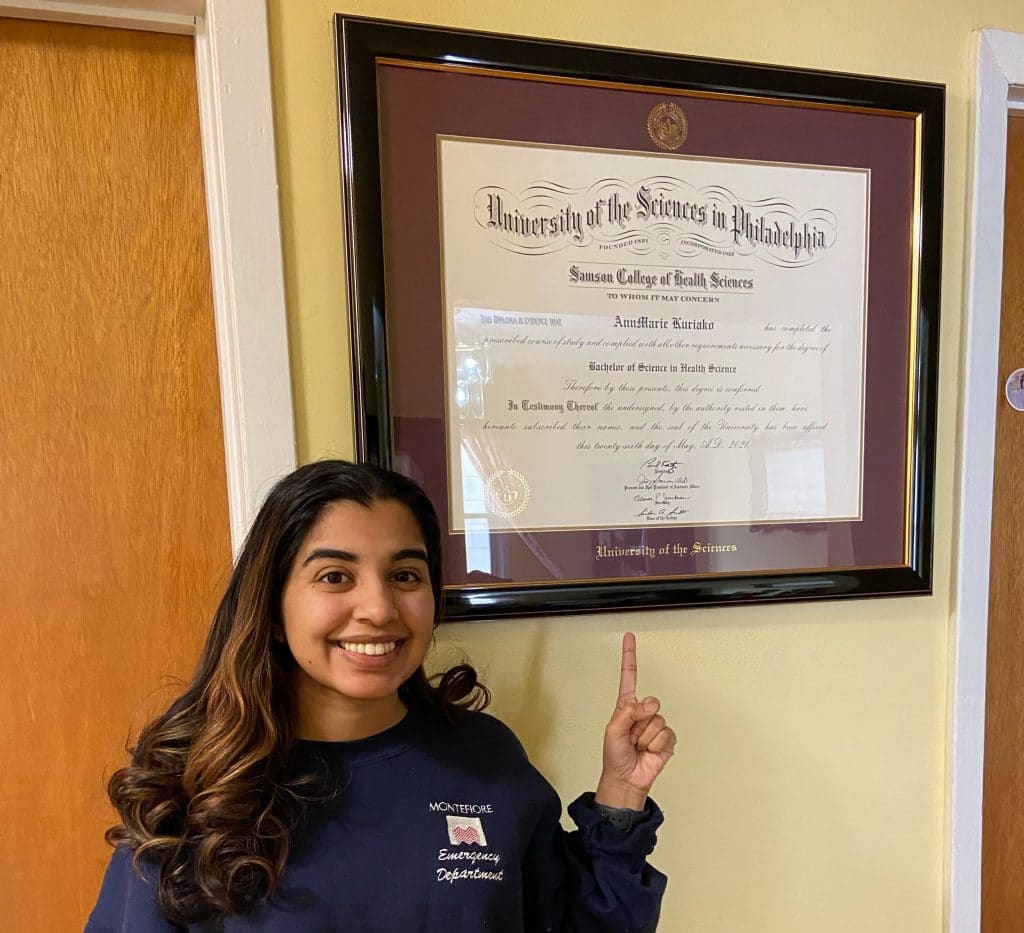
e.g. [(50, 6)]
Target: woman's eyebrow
[(328, 553), (322, 553)]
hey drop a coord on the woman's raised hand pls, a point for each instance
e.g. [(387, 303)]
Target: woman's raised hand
[(637, 741)]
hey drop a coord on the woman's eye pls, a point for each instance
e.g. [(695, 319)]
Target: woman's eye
[(332, 577), (407, 576)]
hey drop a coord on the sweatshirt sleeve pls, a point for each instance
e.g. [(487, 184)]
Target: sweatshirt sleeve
[(127, 901), (595, 879)]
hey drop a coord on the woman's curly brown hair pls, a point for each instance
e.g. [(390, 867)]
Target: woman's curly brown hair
[(211, 797)]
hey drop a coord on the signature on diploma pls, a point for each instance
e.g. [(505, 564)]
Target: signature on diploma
[(659, 476), (658, 467), (660, 498), (663, 513)]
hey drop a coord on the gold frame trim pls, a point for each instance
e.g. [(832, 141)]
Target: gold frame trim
[(912, 338)]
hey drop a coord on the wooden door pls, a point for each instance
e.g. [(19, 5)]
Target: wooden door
[(113, 505), (1003, 808)]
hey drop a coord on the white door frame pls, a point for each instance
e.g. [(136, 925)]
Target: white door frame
[(239, 163), (999, 86)]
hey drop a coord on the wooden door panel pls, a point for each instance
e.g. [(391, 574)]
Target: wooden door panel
[(1003, 808), (113, 503)]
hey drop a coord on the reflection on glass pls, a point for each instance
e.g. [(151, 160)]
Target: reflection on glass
[(472, 373), (478, 528), (795, 481)]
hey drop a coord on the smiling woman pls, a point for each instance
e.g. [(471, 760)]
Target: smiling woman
[(311, 763), (358, 616)]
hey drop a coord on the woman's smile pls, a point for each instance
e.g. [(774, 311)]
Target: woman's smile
[(370, 655), (369, 647)]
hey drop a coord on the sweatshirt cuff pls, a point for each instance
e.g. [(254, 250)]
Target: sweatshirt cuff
[(598, 832)]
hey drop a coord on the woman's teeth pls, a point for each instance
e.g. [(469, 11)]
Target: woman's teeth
[(376, 647)]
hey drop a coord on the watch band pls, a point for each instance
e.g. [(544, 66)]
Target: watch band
[(620, 817)]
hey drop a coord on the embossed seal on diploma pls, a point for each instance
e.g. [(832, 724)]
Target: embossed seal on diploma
[(667, 126), (507, 493)]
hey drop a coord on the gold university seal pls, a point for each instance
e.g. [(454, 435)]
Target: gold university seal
[(667, 126), (507, 493)]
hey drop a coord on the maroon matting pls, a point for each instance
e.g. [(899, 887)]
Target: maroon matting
[(416, 105)]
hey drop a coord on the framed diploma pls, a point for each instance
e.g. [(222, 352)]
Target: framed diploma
[(650, 330)]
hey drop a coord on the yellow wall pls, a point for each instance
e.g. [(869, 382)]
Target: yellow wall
[(808, 791)]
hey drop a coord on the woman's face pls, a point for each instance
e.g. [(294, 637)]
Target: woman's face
[(357, 606)]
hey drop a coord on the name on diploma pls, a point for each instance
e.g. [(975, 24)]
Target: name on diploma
[(642, 322)]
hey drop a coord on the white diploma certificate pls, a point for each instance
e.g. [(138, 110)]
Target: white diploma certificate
[(640, 340)]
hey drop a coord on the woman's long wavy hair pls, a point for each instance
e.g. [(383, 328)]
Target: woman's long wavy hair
[(211, 797)]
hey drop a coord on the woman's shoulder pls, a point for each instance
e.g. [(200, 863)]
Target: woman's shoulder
[(480, 732), (127, 898), (490, 726)]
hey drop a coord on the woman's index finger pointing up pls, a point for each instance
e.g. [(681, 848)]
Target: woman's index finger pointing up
[(627, 674)]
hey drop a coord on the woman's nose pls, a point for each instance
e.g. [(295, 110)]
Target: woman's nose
[(376, 602)]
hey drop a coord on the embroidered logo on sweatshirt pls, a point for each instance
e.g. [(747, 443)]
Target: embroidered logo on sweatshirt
[(465, 830)]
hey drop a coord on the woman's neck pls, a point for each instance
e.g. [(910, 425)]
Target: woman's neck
[(334, 718)]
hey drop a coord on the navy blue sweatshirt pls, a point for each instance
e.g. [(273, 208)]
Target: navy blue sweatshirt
[(436, 827)]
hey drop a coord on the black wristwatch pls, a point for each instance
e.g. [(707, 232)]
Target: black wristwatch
[(620, 817)]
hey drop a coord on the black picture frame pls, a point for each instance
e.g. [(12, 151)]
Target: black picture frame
[(366, 45)]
